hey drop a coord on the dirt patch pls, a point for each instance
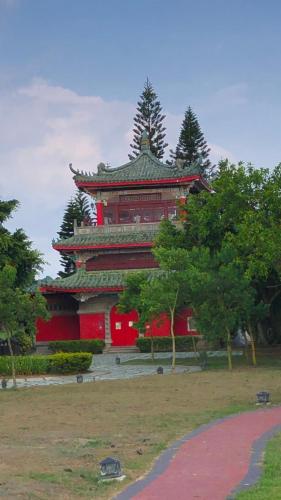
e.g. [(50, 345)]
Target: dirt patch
[(52, 438)]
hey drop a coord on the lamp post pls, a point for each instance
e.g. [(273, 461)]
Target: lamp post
[(263, 398), (110, 468), (4, 383)]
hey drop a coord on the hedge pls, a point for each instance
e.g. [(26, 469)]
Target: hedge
[(94, 346), (164, 344), (60, 363)]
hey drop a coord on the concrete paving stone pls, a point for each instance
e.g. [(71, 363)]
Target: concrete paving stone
[(104, 367)]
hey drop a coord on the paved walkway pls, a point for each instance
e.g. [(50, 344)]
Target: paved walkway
[(211, 462), (104, 368)]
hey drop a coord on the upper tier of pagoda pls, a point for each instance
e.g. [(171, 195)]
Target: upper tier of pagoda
[(144, 171)]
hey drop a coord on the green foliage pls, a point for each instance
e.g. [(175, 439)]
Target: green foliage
[(130, 299), (24, 365), (78, 209), (64, 363), (94, 346), (164, 344), (192, 147), (57, 363), (16, 249), (152, 294), (25, 342), (19, 310), (149, 117), (221, 293), (169, 236), (236, 230)]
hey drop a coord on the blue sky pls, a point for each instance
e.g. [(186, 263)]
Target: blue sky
[(71, 72)]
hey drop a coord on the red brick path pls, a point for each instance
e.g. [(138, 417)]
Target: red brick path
[(211, 464)]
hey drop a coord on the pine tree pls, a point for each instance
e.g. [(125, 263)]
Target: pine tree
[(78, 209), (192, 146), (149, 117)]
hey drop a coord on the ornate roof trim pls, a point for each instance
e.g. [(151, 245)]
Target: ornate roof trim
[(145, 168), (93, 281)]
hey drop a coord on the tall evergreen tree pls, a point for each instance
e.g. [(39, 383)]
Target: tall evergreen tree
[(78, 208), (192, 146), (149, 117)]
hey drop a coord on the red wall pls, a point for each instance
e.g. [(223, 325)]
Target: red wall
[(133, 260), (89, 326), (58, 328), (127, 335), (92, 326), (161, 327)]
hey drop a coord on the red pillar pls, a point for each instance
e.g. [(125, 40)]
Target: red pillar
[(100, 220)]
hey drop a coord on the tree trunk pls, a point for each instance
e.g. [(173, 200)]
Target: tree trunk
[(246, 348), (229, 350), (253, 346), (261, 336), (194, 347), (172, 315), (12, 361), (152, 347)]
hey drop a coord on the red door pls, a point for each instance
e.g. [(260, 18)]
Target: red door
[(92, 326), (123, 332)]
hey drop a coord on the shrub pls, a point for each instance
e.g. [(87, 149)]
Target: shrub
[(94, 346), (70, 362), (25, 343), (164, 344), (25, 365), (61, 363)]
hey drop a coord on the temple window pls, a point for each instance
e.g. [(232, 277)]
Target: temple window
[(191, 326)]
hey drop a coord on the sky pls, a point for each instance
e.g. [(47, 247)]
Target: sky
[(72, 71)]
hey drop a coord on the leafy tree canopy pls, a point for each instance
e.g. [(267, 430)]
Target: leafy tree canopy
[(18, 308), (16, 249), (241, 213)]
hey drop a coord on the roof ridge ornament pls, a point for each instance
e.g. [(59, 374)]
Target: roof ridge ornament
[(144, 143), (75, 172)]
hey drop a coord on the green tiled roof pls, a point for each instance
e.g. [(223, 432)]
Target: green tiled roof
[(98, 238), (145, 167), (93, 279)]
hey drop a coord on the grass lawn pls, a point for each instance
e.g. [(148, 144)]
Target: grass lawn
[(264, 360), (52, 438), (269, 487)]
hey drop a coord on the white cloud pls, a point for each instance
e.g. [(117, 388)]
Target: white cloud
[(229, 97), (219, 153), (45, 128)]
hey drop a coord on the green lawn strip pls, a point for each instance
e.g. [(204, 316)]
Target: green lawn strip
[(269, 486), (79, 481), (213, 362)]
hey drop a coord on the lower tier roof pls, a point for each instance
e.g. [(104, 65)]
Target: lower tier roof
[(96, 239), (92, 281)]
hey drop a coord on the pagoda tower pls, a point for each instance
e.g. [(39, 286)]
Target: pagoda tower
[(131, 201)]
